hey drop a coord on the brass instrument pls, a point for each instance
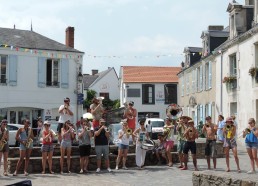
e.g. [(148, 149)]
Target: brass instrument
[(129, 131), (88, 129), (2, 144), (174, 111), (53, 133), (166, 132), (29, 140), (247, 130), (228, 127), (106, 129)]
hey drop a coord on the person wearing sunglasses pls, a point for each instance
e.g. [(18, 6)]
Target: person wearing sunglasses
[(66, 113), (47, 147), (25, 137), (4, 147)]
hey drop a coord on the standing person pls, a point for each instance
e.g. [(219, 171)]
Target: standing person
[(180, 141), (47, 147), (210, 150), (25, 137), (123, 146), (101, 135), (229, 132), (67, 134), (141, 134), (4, 149), (66, 113), (220, 126), (130, 114), (251, 143), (84, 135), (169, 137), (96, 110), (190, 134)]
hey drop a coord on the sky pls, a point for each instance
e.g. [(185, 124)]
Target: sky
[(115, 33)]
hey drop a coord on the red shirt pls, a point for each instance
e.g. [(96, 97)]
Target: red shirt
[(47, 142)]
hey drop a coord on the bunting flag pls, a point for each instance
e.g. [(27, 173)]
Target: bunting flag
[(133, 56), (41, 52)]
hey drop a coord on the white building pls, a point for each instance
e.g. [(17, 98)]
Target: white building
[(105, 83), (151, 88), (36, 73)]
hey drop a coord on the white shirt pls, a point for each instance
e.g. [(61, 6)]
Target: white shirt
[(64, 116), (124, 140)]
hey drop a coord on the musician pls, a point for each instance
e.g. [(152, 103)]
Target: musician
[(169, 137), (47, 147), (84, 135), (25, 137), (66, 113), (180, 140), (130, 114), (220, 126), (210, 149), (123, 146), (101, 135), (141, 134), (4, 138), (96, 110), (67, 134), (160, 150), (251, 143), (190, 134), (229, 131)]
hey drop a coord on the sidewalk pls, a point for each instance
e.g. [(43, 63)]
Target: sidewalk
[(151, 175)]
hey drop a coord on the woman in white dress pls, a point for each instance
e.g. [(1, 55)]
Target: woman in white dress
[(141, 135)]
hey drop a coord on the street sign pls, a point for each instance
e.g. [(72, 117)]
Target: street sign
[(80, 98)]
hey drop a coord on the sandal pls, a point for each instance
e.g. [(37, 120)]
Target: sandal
[(5, 174), (15, 173), (51, 172), (170, 164), (26, 174), (43, 172)]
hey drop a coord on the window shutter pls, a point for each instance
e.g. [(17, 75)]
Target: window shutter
[(210, 111), (64, 73), (42, 72), (13, 70), (210, 74), (201, 78), (204, 77)]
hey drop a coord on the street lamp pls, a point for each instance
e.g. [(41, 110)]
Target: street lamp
[(80, 77)]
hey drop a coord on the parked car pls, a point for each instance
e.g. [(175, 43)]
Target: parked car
[(13, 128), (154, 127), (113, 139)]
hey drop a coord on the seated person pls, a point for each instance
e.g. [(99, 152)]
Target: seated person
[(160, 150)]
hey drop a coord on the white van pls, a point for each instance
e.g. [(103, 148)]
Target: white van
[(154, 126)]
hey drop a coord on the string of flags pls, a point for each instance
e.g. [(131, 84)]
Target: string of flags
[(41, 52), (131, 56)]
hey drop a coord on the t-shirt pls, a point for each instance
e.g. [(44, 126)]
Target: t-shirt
[(85, 139), (64, 116), (124, 140), (221, 125), (101, 139), (98, 113)]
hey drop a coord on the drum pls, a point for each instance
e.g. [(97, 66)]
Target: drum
[(148, 145)]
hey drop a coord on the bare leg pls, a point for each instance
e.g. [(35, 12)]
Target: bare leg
[(50, 155), (5, 163), (125, 157), (27, 159), (214, 162), (44, 159), (249, 152), (195, 162), (209, 162), (69, 159), (236, 158), (22, 156), (226, 150), (62, 159)]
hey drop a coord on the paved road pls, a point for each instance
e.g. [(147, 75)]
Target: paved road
[(151, 175)]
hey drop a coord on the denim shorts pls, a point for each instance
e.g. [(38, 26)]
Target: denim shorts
[(251, 145), (22, 147), (102, 149), (66, 144), (47, 148), (122, 146)]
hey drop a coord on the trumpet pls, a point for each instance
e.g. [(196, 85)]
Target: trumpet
[(106, 129), (53, 133), (28, 143), (207, 125), (88, 129), (228, 127), (247, 130), (71, 129), (129, 131)]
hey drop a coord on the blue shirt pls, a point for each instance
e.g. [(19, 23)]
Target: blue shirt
[(221, 125), (251, 138)]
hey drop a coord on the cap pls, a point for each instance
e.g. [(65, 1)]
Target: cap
[(130, 103), (47, 122), (229, 119), (124, 123), (4, 121), (190, 121), (102, 121), (66, 99)]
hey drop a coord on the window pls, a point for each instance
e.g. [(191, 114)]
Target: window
[(52, 73), (233, 65), (193, 81), (170, 93), (104, 94), (3, 66), (208, 75), (133, 92), (148, 93)]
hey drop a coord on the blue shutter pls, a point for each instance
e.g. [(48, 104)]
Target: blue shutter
[(13, 70), (64, 73), (42, 65)]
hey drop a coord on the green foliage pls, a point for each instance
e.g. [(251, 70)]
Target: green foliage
[(199, 128), (90, 95)]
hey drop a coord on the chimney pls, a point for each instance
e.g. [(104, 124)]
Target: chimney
[(69, 37), (93, 72), (216, 27)]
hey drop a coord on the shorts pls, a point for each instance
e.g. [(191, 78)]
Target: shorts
[(5, 148), (251, 145), (84, 150), (122, 146), (169, 144), (189, 145), (59, 127), (210, 148), (22, 147), (231, 143), (66, 144), (180, 146), (47, 148), (102, 149)]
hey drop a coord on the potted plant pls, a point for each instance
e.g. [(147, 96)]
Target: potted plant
[(229, 79), (252, 71)]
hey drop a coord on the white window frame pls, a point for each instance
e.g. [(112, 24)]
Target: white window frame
[(3, 76)]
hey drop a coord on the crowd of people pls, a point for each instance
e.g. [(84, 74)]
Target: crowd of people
[(224, 131)]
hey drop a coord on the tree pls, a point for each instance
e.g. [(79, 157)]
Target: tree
[(90, 95)]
